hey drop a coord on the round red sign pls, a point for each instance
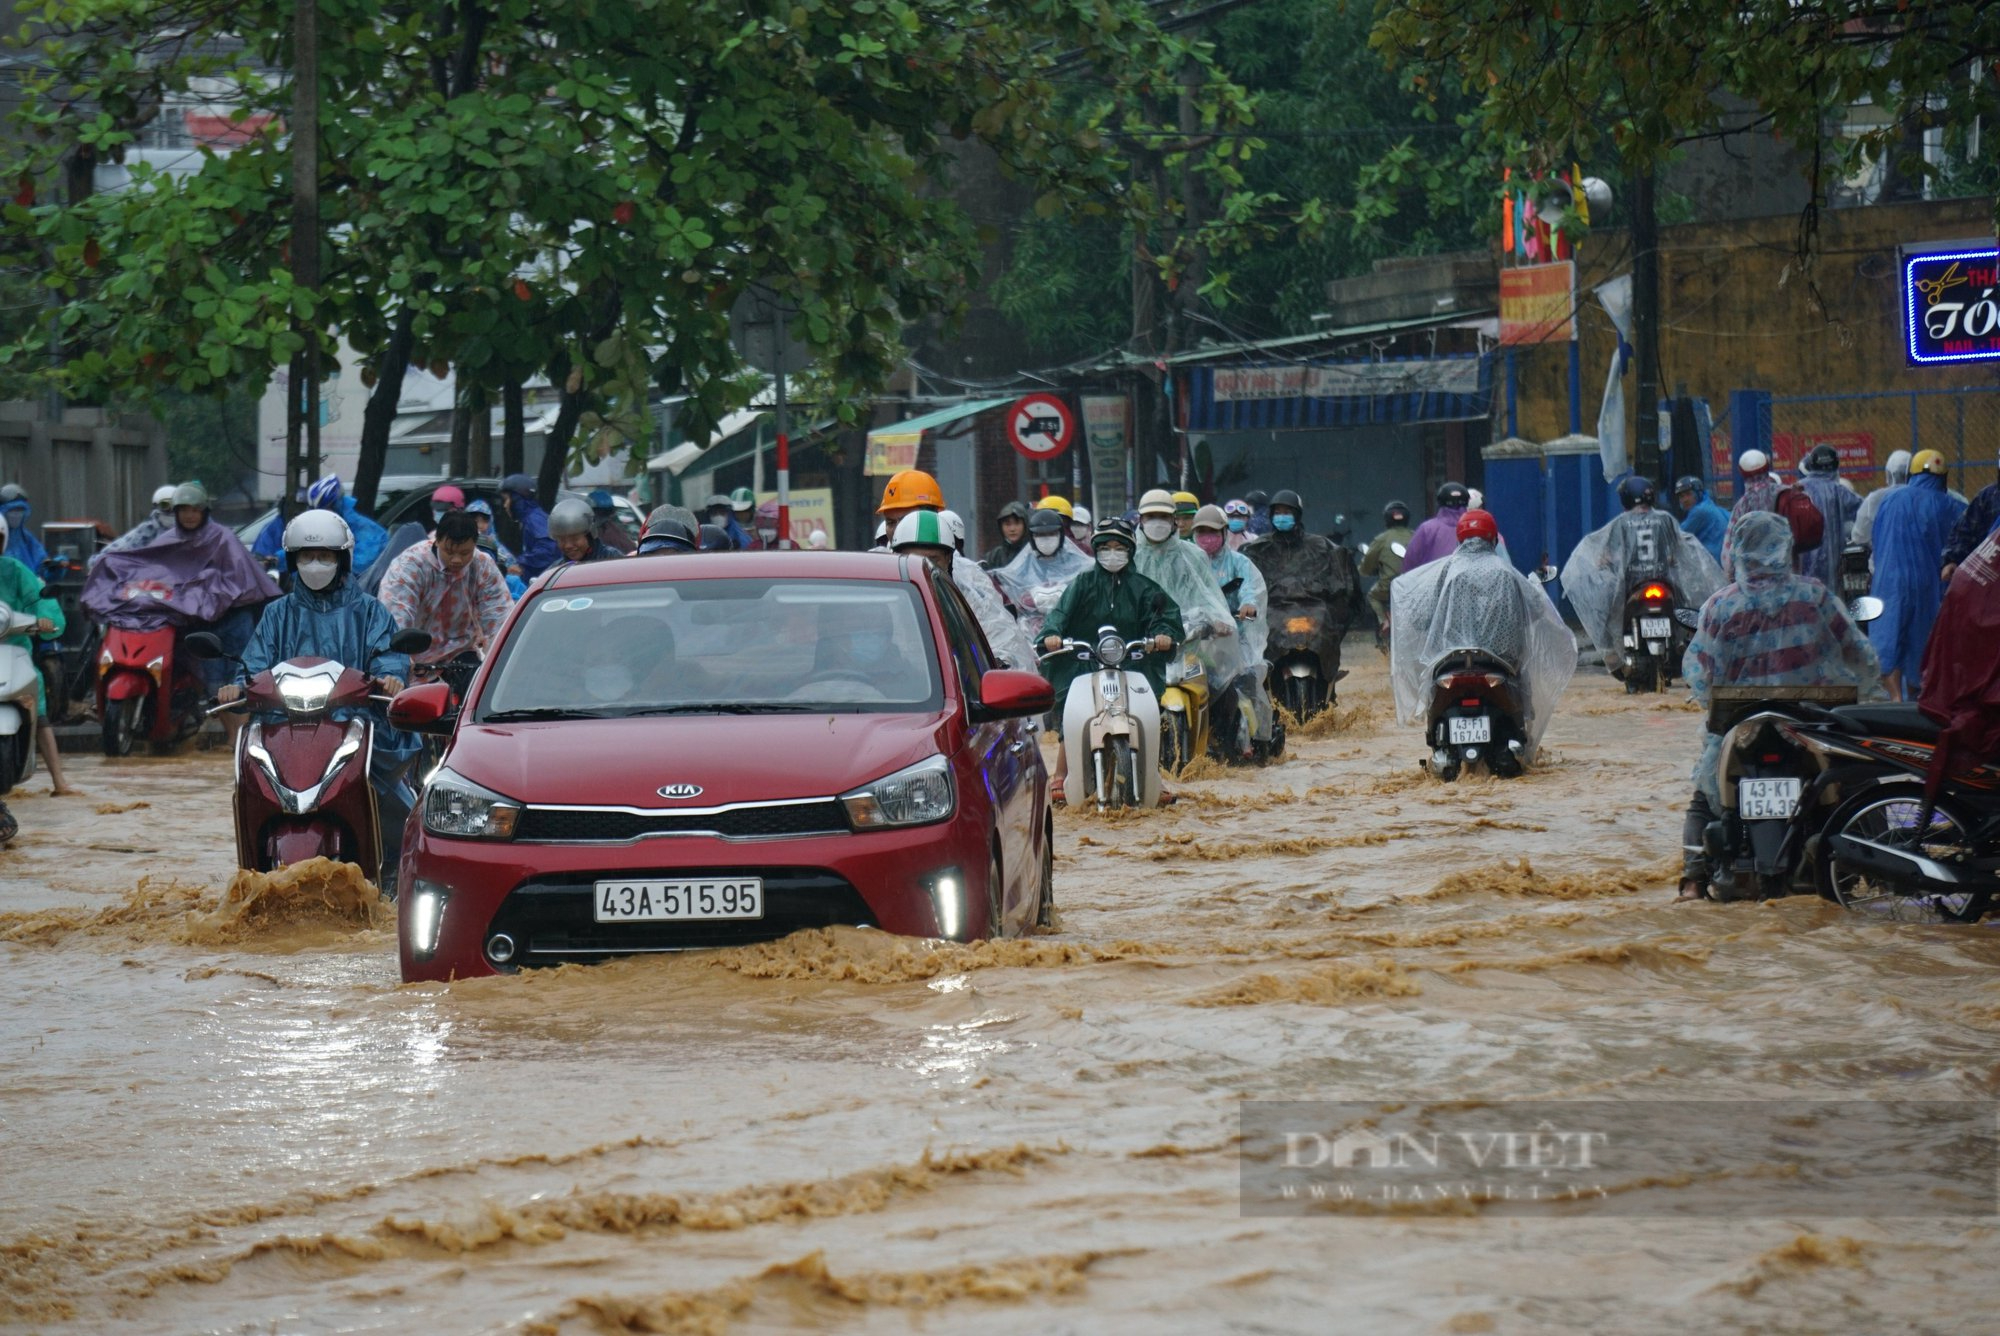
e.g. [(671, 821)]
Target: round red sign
[(1041, 426)]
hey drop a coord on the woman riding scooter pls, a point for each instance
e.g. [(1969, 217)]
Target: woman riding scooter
[(326, 616)]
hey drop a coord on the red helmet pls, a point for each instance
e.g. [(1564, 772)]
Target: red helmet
[(1478, 524)]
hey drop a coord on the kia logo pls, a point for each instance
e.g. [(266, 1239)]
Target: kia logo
[(680, 791)]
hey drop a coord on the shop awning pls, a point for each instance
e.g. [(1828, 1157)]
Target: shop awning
[(893, 448)]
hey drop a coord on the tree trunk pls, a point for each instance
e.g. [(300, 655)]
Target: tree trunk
[(555, 453), (380, 415), (479, 436), (1646, 325), (458, 455), (514, 434)]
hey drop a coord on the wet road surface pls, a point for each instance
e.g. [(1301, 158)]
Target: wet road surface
[(232, 1118)]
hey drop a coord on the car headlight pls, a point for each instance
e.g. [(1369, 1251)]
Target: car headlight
[(1111, 651), (425, 908), (454, 805), (913, 796)]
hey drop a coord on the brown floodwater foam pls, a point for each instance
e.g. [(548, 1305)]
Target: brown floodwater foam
[(863, 955), (313, 903), (1519, 878), (805, 1289), (1344, 982)]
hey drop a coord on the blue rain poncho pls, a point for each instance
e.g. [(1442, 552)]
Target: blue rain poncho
[(1034, 582), (1639, 545), (1474, 599), (1839, 505), (22, 545), (1181, 568), (1910, 534), (1772, 628), (342, 624), (1708, 523)]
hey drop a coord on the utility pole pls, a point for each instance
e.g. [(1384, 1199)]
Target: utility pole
[(1646, 323), (302, 459)]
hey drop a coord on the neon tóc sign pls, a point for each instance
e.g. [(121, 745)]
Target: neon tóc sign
[(1951, 305)]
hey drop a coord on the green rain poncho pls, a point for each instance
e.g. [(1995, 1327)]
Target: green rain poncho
[(21, 590), (1135, 605)]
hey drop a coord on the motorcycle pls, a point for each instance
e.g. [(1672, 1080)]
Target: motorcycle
[(69, 661), (1656, 635), (1111, 716), (1184, 706), (457, 673), (1476, 716), (1299, 669), (302, 788), (146, 689), (18, 676), (1854, 576)]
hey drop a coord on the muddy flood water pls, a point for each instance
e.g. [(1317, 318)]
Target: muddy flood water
[(220, 1112)]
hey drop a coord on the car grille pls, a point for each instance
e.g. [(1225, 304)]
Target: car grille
[(553, 920), (610, 825)]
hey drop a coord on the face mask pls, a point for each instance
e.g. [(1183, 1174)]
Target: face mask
[(317, 575), (1284, 523), (1047, 543), (1208, 540), (1157, 529), (769, 535), (1113, 559), (439, 512), (607, 681), (1238, 526)]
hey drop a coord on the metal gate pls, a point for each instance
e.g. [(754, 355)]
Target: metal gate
[(1961, 424)]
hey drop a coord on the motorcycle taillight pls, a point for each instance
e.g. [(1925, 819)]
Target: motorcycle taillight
[(1472, 702)]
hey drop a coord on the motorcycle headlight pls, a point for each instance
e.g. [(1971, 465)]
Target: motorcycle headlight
[(914, 796), (454, 805), (306, 693), (1111, 650)]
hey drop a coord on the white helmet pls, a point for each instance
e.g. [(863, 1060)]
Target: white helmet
[(955, 527), (3, 533), (1898, 467), (1753, 461), (163, 495), (925, 528), (318, 528), (1080, 515)]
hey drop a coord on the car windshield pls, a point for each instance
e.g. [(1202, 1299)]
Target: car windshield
[(716, 646)]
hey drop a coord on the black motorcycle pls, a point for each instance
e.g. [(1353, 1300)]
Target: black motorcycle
[(1656, 632), (1304, 655), (1476, 716), (1854, 575)]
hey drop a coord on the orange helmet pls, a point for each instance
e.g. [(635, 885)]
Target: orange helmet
[(910, 489)]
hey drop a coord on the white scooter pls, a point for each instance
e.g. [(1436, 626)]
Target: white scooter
[(1111, 719), (18, 680)]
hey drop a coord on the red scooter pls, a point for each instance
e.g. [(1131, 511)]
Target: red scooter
[(302, 786), (146, 690)]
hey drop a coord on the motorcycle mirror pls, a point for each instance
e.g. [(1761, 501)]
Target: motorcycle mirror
[(1865, 609), (1688, 617), (1547, 575), (1398, 549), (410, 642), (205, 645)]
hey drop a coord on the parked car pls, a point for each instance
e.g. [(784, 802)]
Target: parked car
[(671, 752)]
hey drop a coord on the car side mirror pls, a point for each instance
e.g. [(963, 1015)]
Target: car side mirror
[(204, 645), (1005, 693), (1865, 609), (424, 708), (410, 642)]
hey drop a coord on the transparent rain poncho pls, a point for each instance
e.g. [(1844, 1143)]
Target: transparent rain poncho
[(1034, 582), (1181, 568), (1475, 599), (1636, 546), (1231, 567), (1772, 628), (1003, 633)]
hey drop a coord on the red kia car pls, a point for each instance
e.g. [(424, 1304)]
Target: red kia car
[(681, 751)]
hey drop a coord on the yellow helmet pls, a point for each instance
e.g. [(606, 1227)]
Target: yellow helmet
[(1058, 504), (1186, 503), (1928, 461)]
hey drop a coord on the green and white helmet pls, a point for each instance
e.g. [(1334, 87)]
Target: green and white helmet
[(922, 528), (743, 499)]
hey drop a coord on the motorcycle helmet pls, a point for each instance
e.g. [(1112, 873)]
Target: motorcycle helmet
[(191, 494), (954, 528), (1928, 461), (1236, 510), (1453, 496), (1289, 499), (448, 495), (1753, 462), (1211, 517), (1256, 498), (767, 521), (1059, 504), (1898, 466), (1478, 524), (319, 529), (520, 484), (324, 494), (1186, 503), (923, 528), (911, 489), (1158, 501), (1015, 510), (668, 529), (1395, 514), (571, 516), (1635, 491), (1114, 529), (1823, 459), (601, 501), (1080, 515), (163, 496), (715, 538), (742, 500), (1690, 483), (1044, 523)]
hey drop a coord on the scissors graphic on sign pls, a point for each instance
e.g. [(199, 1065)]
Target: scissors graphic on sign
[(1934, 288)]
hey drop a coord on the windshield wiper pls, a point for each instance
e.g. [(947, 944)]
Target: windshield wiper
[(546, 712), (724, 707)]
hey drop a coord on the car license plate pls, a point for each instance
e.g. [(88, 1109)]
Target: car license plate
[(1477, 729), (1768, 799), (1656, 628), (654, 901)]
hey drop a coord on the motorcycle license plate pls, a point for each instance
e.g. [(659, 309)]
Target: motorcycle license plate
[(1768, 799), (1477, 729), (1656, 628), (663, 901)]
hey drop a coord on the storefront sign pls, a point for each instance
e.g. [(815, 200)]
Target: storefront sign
[(1951, 307), (812, 508), (1349, 380), (1538, 303), (1105, 433), (890, 453)]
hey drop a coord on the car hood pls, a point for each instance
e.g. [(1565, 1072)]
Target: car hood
[(733, 758)]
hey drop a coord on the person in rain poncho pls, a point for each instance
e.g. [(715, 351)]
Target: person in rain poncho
[(1247, 595), (1838, 505), (327, 494), (1475, 600), (1980, 518), (913, 489), (22, 591), (1307, 569), (1037, 576), (22, 545), (1259, 502), (1708, 522), (1895, 474), (538, 550), (158, 520), (1385, 563), (1237, 513), (1962, 672), (1178, 567), (1911, 531), (1437, 537), (1760, 485), (1013, 525), (1769, 628), (1641, 544)]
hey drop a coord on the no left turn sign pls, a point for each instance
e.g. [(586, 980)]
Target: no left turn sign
[(1041, 426)]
